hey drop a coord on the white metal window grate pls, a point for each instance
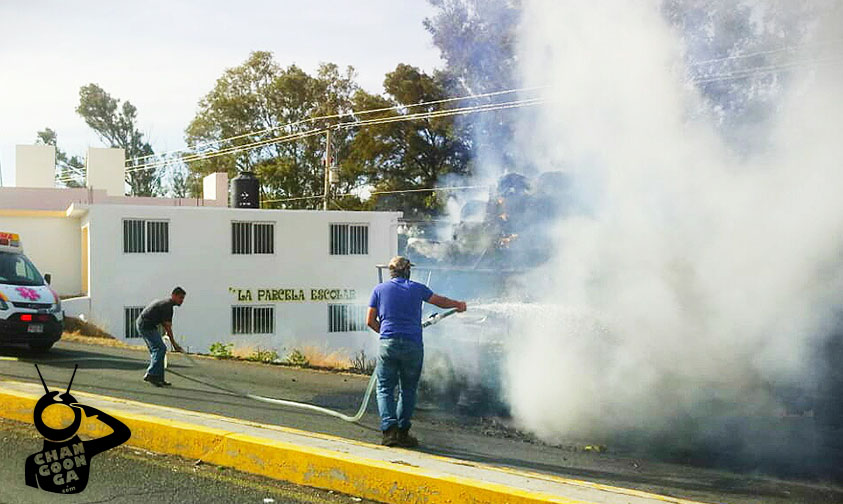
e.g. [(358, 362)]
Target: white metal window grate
[(145, 236), (157, 236), (349, 239), (130, 314), (134, 236), (252, 238), (346, 318), (264, 320), (241, 237), (264, 238), (252, 319)]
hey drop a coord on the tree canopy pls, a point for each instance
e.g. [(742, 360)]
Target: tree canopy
[(116, 125), (261, 101), (413, 154), (71, 170), (477, 40)]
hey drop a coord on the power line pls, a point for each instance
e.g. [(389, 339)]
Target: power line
[(743, 74), (368, 122), (767, 52), (400, 191), (340, 116), (297, 136), (738, 74)]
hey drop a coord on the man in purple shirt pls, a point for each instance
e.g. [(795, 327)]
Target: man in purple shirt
[(395, 311)]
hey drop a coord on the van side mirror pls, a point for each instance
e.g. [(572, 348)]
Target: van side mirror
[(47, 278)]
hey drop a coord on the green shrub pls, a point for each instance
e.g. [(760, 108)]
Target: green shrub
[(261, 355), (221, 350), (297, 358), (360, 364)]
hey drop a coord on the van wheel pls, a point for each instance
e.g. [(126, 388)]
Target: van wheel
[(40, 347)]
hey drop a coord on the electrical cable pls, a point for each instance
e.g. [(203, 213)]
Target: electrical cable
[(454, 188), (743, 74), (341, 115), (368, 122), (766, 52)]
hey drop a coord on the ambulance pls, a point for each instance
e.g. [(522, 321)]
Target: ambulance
[(30, 311)]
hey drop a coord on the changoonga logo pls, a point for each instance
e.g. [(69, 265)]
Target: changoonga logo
[(64, 464)]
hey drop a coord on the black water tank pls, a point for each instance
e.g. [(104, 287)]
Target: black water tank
[(245, 191)]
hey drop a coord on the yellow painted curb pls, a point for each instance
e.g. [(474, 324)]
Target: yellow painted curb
[(310, 466)]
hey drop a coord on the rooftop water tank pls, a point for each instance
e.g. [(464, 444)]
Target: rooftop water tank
[(245, 191)]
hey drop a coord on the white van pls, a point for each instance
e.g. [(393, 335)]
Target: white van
[(30, 311)]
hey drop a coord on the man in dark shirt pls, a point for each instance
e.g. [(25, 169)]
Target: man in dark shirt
[(159, 313), (395, 311)]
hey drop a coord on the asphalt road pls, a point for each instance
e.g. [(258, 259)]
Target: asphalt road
[(127, 475), (441, 432)]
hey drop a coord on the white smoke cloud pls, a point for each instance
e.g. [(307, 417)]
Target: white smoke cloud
[(703, 277)]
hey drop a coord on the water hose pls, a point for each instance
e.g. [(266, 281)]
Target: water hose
[(433, 319)]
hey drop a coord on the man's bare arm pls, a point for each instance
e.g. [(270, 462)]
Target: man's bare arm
[(443, 302), (372, 320), (168, 328)]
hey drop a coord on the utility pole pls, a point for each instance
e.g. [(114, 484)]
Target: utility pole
[(328, 163)]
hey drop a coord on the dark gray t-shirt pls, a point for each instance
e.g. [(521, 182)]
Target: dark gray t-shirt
[(156, 313)]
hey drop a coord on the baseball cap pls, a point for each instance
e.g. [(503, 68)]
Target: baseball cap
[(399, 263)]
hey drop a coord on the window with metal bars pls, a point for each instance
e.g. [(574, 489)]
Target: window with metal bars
[(252, 238), (346, 318), (145, 236), (157, 236), (130, 314), (349, 239), (252, 319), (263, 320), (264, 234)]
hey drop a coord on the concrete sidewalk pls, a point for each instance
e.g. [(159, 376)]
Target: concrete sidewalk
[(323, 461)]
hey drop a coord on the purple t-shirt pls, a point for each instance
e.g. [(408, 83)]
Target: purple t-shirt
[(399, 306)]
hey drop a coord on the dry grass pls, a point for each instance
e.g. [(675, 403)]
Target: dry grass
[(320, 359), (317, 358), (77, 337), (74, 325), (242, 352)]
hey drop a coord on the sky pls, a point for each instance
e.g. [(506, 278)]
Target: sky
[(164, 55)]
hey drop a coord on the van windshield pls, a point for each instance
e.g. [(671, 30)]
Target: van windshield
[(16, 269)]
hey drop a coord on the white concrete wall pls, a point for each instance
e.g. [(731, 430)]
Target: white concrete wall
[(52, 242), (200, 260), (78, 307), (106, 170), (215, 188), (35, 166), (58, 199)]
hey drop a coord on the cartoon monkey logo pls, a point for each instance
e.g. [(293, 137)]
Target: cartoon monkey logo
[(63, 465)]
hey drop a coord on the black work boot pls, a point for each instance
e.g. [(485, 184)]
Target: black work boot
[(152, 380), (158, 382), (390, 436), (406, 440)]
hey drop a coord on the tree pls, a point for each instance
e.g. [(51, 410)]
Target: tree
[(260, 101), (116, 125), (477, 40), (406, 155), (179, 183), (71, 170)]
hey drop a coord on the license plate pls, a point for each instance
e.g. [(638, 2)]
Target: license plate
[(36, 328)]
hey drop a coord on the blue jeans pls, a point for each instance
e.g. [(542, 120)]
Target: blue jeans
[(157, 350), (399, 363)]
